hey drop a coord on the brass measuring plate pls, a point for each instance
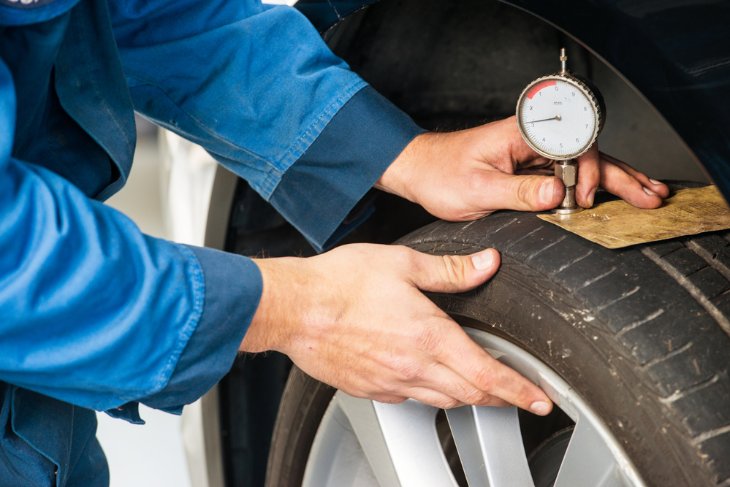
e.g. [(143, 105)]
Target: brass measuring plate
[(617, 224)]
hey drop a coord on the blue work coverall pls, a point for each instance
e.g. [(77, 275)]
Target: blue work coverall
[(95, 315)]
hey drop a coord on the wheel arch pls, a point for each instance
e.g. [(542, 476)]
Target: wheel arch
[(224, 193), (675, 56)]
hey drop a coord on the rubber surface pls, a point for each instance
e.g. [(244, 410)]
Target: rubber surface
[(657, 311), (640, 333)]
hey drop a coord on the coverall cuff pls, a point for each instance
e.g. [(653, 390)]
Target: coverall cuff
[(233, 287), (319, 191)]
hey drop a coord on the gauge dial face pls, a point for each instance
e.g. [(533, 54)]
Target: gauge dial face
[(557, 117)]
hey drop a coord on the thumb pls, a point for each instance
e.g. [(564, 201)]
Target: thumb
[(453, 273), (524, 193)]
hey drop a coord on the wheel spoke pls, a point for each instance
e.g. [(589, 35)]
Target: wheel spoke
[(400, 441), (588, 460), (490, 446)]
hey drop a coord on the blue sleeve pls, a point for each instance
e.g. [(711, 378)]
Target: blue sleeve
[(259, 89), (95, 313)]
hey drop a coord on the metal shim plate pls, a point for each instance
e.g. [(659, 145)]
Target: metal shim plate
[(617, 224)]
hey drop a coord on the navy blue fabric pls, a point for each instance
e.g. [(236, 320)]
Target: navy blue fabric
[(311, 194), (94, 313), (257, 117), (211, 350), (89, 81), (326, 13), (17, 13), (44, 440)]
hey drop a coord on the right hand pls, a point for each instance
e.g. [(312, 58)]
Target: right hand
[(468, 174), (355, 318)]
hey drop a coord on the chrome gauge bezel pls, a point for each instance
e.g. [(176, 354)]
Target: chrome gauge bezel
[(592, 99)]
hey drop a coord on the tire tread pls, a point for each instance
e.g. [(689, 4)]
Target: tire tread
[(665, 303)]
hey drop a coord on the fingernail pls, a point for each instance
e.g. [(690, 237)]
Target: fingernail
[(482, 260), (654, 181), (540, 407), (648, 191), (548, 189)]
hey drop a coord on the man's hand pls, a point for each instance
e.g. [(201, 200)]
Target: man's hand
[(356, 319), (468, 174)]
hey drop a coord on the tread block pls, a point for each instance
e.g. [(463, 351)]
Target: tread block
[(698, 358), (666, 330), (558, 258), (715, 250), (586, 273), (717, 448), (685, 261), (710, 282), (666, 247), (712, 243), (722, 302), (654, 338), (637, 310), (540, 238), (701, 411), (504, 232), (608, 285)]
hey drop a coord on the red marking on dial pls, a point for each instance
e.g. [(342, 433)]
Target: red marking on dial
[(533, 91)]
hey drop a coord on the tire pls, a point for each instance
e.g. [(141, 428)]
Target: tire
[(641, 335)]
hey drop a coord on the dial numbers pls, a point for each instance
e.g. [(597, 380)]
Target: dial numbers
[(557, 118)]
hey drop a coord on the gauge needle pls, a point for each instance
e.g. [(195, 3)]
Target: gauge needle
[(556, 117)]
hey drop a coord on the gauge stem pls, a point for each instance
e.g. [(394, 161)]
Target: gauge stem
[(563, 61)]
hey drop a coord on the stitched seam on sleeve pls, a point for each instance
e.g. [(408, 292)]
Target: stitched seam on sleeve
[(187, 330), (199, 123), (274, 169), (300, 146)]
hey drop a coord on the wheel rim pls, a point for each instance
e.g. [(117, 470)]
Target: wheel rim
[(365, 443)]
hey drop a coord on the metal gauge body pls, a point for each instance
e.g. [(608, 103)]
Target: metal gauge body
[(560, 117)]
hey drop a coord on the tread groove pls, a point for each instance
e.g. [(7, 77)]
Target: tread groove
[(513, 220), (597, 278), (631, 326), (679, 357), (618, 299), (693, 290), (708, 435), (523, 237), (688, 275), (551, 244), (667, 356), (677, 395), (573, 262)]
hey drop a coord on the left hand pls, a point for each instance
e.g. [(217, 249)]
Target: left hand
[(468, 174)]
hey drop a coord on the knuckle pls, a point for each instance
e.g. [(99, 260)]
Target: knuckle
[(526, 189), (388, 399), (385, 387), (477, 183), (428, 339), (484, 378), (493, 401), (404, 253), (525, 393), (408, 370), (406, 256), (448, 403), (475, 396), (454, 268)]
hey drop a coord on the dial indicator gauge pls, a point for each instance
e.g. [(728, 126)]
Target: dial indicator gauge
[(559, 116)]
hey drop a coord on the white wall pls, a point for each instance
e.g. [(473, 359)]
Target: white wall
[(150, 455)]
